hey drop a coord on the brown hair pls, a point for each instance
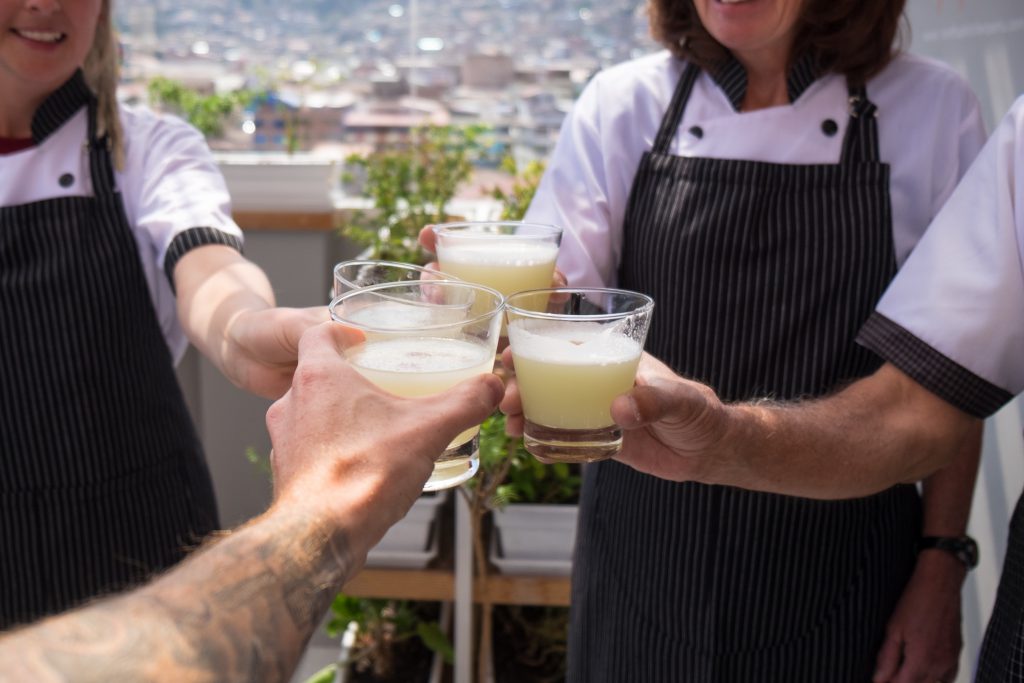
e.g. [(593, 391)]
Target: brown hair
[(101, 73), (856, 38)]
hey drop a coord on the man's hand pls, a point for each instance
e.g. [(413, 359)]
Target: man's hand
[(670, 424), (360, 452), (348, 462), (666, 420), (923, 638)]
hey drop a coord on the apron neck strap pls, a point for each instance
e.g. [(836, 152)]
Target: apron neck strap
[(674, 116), (101, 166), (860, 144)]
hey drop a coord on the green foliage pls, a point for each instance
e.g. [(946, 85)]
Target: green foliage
[(324, 675), (382, 624), (258, 460), (410, 188), (206, 112), (527, 480), (516, 201)]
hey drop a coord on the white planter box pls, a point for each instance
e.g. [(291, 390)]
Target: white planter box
[(534, 539), (279, 182), (411, 543)]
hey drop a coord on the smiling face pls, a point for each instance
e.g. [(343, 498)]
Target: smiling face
[(752, 29), (42, 42)]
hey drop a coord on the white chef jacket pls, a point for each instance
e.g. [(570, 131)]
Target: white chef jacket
[(170, 184), (962, 290), (930, 129)]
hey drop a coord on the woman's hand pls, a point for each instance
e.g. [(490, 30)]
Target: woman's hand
[(923, 638), (263, 347), (226, 307)]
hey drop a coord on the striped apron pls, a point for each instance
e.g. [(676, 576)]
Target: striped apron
[(102, 478), (762, 274)]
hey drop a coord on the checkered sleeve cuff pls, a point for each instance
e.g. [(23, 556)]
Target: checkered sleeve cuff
[(944, 377)]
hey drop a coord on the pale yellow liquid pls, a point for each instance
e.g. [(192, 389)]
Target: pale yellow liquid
[(421, 366), (505, 264), (569, 372)]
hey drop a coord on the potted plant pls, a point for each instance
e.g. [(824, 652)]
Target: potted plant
[(409, 187), (386, 641)]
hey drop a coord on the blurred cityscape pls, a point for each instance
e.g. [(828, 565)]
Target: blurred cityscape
[(350, 76)]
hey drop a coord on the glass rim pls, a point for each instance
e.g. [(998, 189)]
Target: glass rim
[(647, 307), (391, 264), (463, 230), (498, 309)]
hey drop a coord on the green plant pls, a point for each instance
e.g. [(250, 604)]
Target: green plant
[(517, 199), (381, 626), (411, 187), (206, 112), (515, 476)]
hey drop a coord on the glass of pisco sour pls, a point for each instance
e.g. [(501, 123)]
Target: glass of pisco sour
[(359, 273), (571, 358), (420, 338), (509, 256)]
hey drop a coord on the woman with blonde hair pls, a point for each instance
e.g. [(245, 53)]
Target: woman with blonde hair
[(116, 248), (762, 178)]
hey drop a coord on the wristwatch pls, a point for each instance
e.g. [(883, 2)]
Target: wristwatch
[(964, 548)]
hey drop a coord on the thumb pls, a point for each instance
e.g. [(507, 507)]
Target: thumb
[(465, 405), (679, 401), (888, 662), (428, 238), (295, 322)]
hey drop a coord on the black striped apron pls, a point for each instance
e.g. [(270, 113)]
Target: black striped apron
[(1002, 652), (102, 479), (762, 274)]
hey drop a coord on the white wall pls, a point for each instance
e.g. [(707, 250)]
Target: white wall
[(984, 41)]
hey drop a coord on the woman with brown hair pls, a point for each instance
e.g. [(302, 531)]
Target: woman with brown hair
[(116, 248), (761, 179)]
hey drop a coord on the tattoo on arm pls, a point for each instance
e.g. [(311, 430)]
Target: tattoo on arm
[(242, 609)]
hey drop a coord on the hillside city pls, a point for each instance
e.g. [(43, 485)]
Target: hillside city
[(344, 76)]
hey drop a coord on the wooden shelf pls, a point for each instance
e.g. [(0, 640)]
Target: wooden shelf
[(402, 584), (324, 221), (439, 584), (549, 591)]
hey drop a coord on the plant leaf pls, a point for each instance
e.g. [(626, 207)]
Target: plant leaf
[(436, 640)]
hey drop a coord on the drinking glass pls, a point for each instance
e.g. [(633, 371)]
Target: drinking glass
[(358, 273), (573, 357), (508, 256), (420, 338)]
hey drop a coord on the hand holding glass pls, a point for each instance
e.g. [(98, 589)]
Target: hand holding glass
[(571, 359), (421, 338)]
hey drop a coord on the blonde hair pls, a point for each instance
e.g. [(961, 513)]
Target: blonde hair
[(101, 74)]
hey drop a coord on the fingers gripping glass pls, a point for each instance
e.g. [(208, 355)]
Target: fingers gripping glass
[(574, 351), (421, 338)]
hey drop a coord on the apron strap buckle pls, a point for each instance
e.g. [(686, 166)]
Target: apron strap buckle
[(858, 106)]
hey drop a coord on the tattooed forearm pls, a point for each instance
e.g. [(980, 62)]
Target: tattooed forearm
[(239, 610)]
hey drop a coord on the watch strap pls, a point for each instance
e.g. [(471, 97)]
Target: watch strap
[(964, 548)]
